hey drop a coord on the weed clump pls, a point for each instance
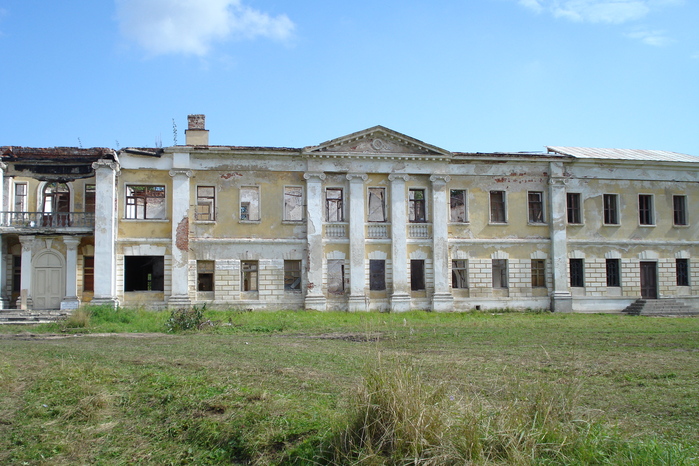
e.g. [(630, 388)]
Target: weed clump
[(185, 319)]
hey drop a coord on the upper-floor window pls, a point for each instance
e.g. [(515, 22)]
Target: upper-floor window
[(145, 202), (457, 203), (20, 203), (679, 208), (497, 207), (377, 205), (645, 209), (293, 203), (90, 198), (611, 209), (416, 206), (574, 208), (206, 203), (250, 203), (56, 197), (536, 206), (334, 209)]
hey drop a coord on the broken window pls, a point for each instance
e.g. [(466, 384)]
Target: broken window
[(679, 207), (611, 209), (56, 205), (248, 272), (250, 203), (144, 273), (577, 273), (497, 207), (613, 272), (336, 276), (574, 208), (292, 275), (682, 271), (293, 203), (377, 274), (645, 209), (88, 273), (333, 205), (536, 206), (90, 198), (538, 273), (145, 202), (377, 204), (417, 274), (205, 275), (499, 273), (206, 203), (416, 205), (458, 205), (459, 274), (20, 197)]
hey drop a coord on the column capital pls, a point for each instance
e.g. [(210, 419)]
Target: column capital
[(440, 179), (398, 177), (27, 242), (314, 176), (71, 242), (357, 177), (108, 164), (181, 172), (558, 182)]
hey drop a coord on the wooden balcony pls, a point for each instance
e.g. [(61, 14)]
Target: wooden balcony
[(42, 222)]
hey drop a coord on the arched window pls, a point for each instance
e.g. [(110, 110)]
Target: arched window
[(56, 198)]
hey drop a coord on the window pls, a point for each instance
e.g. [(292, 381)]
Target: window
[(377, 205), (457, 202), (611, 209), (497, 207), (90, 198), (144, 273), (250, 203), (248, 272), (538, 273), (20, 197), (377, 275), (417, 275), (577, 272), (292, 275), (336, 276), (613, 272), (536, 206), (88, 273), (333, 205), (205, 275), (645, 209), (682, 271), (293, 203), (145, 202), (16, 274), (459, 274), (416, 205), (574, 208), (206, 203), (499, 273), (679, 207)]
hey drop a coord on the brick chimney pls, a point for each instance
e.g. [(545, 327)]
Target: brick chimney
[(196, 134)]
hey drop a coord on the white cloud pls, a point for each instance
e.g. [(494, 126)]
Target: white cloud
[(192, 26), (598, 11), (534, 5), (655, 38)]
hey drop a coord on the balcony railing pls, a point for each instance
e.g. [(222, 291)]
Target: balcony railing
[(38, 220), (419, 230), (336, 230), (377, 230)]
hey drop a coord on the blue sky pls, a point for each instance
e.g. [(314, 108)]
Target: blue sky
[(468, 75)]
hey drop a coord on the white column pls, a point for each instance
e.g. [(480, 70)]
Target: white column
[(180, 239), (442, 300), (25, 297), (357, 298), (400, 299), (3, 275), (561, 299), (106, 172), (71, 301), (315, 299)]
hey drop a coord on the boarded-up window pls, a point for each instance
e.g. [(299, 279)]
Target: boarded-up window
[(416, 206), (88, 273), (250, 203), (145, 202), (377, 274), (333, 205), (458, 205), (499, 273), (205, 275), (377, 204), (417, 274), (336, 276), (248, 271), (206, 203), (293, 203), (459, 274), (292, 275)]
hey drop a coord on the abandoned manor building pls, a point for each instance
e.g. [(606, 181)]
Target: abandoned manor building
[(372, 221)]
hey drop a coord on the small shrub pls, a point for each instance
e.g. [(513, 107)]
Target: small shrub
[(79, 318), (185, 319)]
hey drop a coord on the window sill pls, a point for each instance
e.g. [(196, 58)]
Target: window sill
[(133, 220), (613, 225), (205, 222), (293, 222), (537, 224), (498, 223), (253, 222), (575, 224), (460, 223), (680, 226), (646, 226)]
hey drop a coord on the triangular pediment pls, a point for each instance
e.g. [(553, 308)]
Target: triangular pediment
[(377, 142)]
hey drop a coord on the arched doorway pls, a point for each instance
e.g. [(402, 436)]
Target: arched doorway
[(48, 282)]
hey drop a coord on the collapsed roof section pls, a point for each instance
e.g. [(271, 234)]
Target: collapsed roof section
[(60, 164)]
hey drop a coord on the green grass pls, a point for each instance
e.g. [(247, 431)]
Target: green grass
[(294, 387)]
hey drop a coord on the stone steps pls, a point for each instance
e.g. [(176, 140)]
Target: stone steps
[(18, 317), (660, 308)]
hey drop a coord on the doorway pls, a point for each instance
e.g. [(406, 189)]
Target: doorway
[(649, 280), (49, 281)]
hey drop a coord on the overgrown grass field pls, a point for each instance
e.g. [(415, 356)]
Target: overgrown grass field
[(116, 387)]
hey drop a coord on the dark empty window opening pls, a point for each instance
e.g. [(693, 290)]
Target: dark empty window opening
[(574, 208), (377, 275), (205, 275), (682, 270), (417, 275), (88, 273), (577, 273), (679, 204), (144, 273), (613, 272), (611, 209), (645, 209), (497, 207)]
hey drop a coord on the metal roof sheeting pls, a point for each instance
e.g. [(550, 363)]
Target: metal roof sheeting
[(623, 154)]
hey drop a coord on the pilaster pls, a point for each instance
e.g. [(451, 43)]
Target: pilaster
[(357, 297), (561, 298), (106, 172), (25, 298), (315, 299), (180, 238), (400, 299), (71, 300), (442, 300)]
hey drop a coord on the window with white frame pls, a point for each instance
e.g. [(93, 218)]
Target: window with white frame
[(646, 215), (250, 203), (498, 213), (535, 201), (206, 203), (145, 202), (20, 201), (611, 209), (334, 205)]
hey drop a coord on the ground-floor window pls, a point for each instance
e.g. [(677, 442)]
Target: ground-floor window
[(144, 273), (377, 274), (538, 273), (88, 273), (292, 275), (205, 275), (499, 273), (459, 274), (336, 276), (577, 273), (682, 271), (249, 270), (417, 275), (613, 272)]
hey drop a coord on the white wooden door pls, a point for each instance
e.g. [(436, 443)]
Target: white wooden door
[(48, 283)]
